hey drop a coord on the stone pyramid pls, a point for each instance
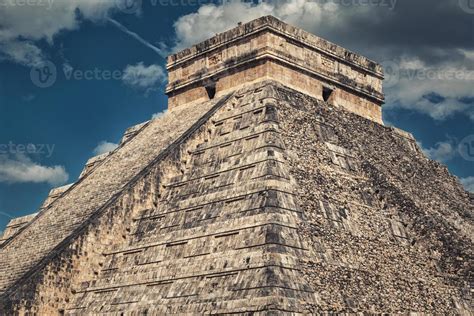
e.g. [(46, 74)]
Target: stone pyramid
[(271, 186)]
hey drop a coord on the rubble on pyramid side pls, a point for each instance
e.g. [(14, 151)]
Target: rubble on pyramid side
[(391, 229), (92, 162), (18, 224), (54, 194), (132, 131), (15, 225)]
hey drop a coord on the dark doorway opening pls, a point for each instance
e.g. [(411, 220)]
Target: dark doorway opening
[(211, 91), (327, 92)]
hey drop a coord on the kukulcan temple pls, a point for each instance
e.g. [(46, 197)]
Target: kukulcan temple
[(270, 187)]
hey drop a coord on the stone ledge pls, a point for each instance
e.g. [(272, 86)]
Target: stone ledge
[(270, 22)]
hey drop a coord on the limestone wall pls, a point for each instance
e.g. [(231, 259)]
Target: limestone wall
[(263, 70)]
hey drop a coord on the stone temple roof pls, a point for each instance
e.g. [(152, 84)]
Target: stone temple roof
[(270, 22)]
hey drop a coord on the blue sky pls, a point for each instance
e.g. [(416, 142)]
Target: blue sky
[(109, 61)]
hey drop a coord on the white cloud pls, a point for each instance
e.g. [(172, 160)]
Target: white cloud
[(143, 77), (450, 81), (318, 17), (468, 184), (159, 114), (442, 151), (22, 25), (104, 147), (438, 111), (211, 19), (23, 52), (22, 169)]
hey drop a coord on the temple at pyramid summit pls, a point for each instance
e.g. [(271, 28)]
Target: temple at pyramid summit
[(270, 187)]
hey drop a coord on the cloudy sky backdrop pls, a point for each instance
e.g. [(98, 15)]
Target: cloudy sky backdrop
[(109, 58)]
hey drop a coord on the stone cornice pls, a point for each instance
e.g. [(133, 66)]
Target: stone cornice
[(270, 23)]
